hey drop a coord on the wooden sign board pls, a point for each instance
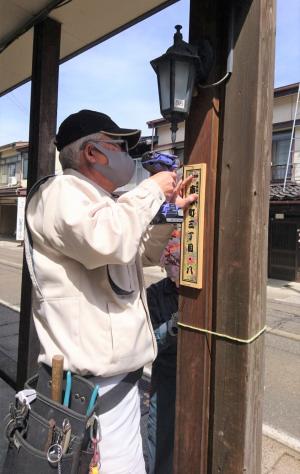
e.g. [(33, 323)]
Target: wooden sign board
[(191, 260)]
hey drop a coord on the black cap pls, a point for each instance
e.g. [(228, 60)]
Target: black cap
[(86, 122)]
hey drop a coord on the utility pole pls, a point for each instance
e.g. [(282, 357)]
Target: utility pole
[(220, 380)]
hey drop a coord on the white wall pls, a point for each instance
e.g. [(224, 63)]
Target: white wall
[(284, 108), (164, 134), (296, 154), (284, 111)]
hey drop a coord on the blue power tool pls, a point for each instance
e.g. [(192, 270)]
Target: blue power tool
[(155, 162)]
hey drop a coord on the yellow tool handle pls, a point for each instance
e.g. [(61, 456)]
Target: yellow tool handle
[(57, 377), (94, 470)]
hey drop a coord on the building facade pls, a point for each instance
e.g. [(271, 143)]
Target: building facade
[(284, 224), (161, 137), (13, 184), (13, 181)]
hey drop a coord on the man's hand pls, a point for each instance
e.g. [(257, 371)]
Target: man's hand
[(178, 198), (166, 180), (172, 324)]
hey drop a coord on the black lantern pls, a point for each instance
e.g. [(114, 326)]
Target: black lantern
[(176, 71)]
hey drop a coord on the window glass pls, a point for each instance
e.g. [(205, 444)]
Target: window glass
[(3, 174), (12, 169), (12, 159), (25, 168), (280, 151)]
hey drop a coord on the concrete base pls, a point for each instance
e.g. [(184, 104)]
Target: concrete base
[(278, 459)]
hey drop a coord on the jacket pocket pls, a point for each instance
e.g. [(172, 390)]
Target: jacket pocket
[(131, 335), (58, 324), (123, 279), (26, 459)]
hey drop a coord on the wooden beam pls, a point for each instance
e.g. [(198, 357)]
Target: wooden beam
[(241, 257), (195, 306), (41, 162)]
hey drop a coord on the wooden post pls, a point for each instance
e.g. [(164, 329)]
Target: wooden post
[(41, 162), (241, 258), (219, 382), (195, 306)]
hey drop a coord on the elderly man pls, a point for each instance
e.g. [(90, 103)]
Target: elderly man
[(88, 244)]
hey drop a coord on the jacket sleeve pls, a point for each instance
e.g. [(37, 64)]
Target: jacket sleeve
[(93, 228), (154, 242)]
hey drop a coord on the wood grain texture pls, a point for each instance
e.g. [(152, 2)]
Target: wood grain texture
[(57, 377), (195, 306), (220, 382), (241, 253), (41, 162)]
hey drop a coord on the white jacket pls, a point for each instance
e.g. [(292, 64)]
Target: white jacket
[(89, 303)]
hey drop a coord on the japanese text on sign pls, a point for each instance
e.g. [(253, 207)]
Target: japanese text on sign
[(192, 229)]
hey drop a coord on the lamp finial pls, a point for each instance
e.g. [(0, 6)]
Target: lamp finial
[(177, 35)]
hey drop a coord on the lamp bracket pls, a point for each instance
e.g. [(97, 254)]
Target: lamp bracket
[(206, 58)]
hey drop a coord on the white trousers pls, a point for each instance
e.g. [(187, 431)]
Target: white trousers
[(121, 449)]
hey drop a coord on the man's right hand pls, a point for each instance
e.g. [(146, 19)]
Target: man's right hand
[(166, 180)]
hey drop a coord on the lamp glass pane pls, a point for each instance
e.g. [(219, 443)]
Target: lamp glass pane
[(182, 95), (164, 84)]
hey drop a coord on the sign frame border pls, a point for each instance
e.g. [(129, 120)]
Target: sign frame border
[(200, 227)]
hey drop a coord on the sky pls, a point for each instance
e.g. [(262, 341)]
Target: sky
[(116, 78)]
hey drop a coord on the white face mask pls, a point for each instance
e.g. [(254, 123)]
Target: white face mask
[(120, 167)]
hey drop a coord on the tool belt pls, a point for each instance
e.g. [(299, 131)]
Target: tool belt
[(47, 437)]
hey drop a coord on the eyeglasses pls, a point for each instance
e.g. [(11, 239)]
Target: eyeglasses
[(118, 145)]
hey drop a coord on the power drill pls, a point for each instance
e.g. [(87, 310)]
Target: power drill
[(155, 162)]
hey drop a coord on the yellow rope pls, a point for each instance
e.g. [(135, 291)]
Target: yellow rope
[(224, 336)]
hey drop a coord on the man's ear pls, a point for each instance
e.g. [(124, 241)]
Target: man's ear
[(89, 153)]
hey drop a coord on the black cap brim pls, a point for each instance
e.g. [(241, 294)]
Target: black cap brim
[(131, 136), (87, 122)]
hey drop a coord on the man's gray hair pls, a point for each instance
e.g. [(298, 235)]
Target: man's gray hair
[(69, 156)]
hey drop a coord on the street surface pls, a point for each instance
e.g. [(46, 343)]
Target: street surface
[(10, 274), (282, 365)]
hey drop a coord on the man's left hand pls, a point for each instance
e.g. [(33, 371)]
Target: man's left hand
[(177, 197)]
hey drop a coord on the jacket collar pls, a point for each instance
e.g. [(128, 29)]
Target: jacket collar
[(70, 171)]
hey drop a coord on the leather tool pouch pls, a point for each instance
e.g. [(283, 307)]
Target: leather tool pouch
[(27, 430)]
